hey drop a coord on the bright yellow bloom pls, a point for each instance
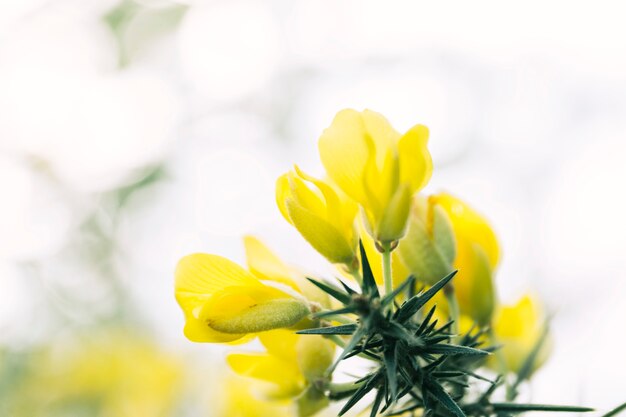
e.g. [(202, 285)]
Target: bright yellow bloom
[(114, 373), (223, 302), (321, 215), (518, 328), (477, 255), (265, 265), (429, 247), (377, 167), (290, 362), (240, 399)]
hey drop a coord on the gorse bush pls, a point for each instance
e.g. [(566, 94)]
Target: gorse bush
[(414, 298)]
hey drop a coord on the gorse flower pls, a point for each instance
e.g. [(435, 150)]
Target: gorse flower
[(240, 399), (293, 366), (520, 329), (477, 255), (223, 302), (114, 372), (324, 217), (368, 218), (377, 167), (278, 365), (289, 363)]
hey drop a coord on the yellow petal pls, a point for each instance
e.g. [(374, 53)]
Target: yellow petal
[(238, 397), (322, 235), (264, 264), (381, 132), (220, 300), (475, 287), (392, 225), (199, 276), (339, 212), (380, 182), (518, 328), (349, 142), (416, 165), (344, 152), (470, 226), (268, 368), (283, 192), (305, 196), (198, 331), (280, 343)]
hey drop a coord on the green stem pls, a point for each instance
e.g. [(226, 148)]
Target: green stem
[(387, 277), (340, 388), (453, 307), (336, 340), (338, 318)]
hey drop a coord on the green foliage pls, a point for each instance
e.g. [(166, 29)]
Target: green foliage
[(417, 363)]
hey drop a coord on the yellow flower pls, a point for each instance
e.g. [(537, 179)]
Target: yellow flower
[(114, 373), (429, 247), (377, 167), (289, 363), (518, 329), (223, 302), (238, 398), (477, 255), (265, 265), (321, 215)]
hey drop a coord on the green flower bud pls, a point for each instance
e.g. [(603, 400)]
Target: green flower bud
[(429, 248)]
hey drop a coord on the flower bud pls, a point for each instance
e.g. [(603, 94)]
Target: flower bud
[(320, 214), (477, 255), (519, 329), (428, 249)]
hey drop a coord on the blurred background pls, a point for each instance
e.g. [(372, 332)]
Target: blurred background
[(133, 132)]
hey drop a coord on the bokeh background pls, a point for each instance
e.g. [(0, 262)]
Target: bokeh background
[(134, 132)]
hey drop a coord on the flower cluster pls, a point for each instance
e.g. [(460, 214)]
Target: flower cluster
[(369, 218)]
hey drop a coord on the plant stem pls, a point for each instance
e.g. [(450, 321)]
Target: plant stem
[(339, 318), (340, 388), (336, 340), (453, 307), (387, 277)]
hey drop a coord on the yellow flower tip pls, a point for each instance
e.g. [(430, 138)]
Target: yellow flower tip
[(223, 303), (519, 328), (321, 215), (377, 167), (265, 265), (476, 256), (469, 225)]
